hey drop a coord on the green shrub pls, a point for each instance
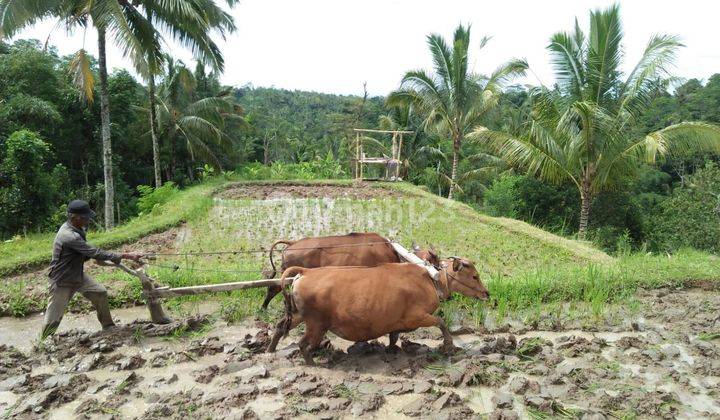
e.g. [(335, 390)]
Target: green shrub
[(318, 168), (691, 217), (151, 198), (554, 207), (26, 188)]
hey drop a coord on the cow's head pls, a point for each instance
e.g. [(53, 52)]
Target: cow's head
[(463, 278), (428, 255)]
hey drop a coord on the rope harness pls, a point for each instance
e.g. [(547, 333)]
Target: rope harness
[(176, 267)]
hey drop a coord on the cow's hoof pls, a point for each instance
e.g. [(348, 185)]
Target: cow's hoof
[(448, 349), (392, 349)]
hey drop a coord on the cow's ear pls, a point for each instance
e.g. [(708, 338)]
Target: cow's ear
[(457, 264)]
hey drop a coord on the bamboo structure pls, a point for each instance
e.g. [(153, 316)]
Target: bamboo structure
[(391, 163)]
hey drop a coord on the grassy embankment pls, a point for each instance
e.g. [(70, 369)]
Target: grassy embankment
[(529, 272)]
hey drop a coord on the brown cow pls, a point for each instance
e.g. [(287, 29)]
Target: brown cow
[(360, 304), (353, 249)]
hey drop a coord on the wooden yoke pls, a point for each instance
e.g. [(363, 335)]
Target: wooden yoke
[(412, 258)]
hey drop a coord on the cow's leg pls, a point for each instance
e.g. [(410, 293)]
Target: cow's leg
[(281, 329), (393, 347), (429, 320), (314, 332), (272, 291), (447, 346)]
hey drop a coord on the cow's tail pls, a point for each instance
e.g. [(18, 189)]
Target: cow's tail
[(285, 280), (272, 250)]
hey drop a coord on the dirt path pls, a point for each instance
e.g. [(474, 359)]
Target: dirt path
[(657, 366)]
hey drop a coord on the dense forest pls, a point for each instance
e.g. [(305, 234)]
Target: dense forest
[(51, 148)]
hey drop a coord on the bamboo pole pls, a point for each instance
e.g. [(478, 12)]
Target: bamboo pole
[(357, 156), (362, 157), (399, 155)]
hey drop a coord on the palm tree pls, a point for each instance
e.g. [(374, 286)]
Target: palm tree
[(199, 123), (582, 130), (454, 100), (190, 23)]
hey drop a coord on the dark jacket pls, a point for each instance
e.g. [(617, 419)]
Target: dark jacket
[(70, 251)]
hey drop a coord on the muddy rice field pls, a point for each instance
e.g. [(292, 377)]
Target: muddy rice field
[(656, 364), (275, 191)]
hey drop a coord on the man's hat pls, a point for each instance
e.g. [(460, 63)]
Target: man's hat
[(81, 208)]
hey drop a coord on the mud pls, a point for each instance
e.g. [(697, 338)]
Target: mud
[(652, 364), (275, 191), (35, 283)]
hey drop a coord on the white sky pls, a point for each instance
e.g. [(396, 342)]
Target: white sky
[(334, 46)]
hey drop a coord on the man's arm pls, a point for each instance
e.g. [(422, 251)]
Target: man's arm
[(84, 248)]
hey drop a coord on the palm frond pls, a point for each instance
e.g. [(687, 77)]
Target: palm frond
[(604, 53), (16, 15), (442, 58), (82, 75), (539, 155), (654, 64), (682, 139), (567, 60)]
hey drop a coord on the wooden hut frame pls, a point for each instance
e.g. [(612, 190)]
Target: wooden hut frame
[(391, 163)]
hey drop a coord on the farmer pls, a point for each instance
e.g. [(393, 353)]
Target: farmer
[(70, 251)]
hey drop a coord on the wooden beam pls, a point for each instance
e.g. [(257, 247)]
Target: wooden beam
[(221, 287)]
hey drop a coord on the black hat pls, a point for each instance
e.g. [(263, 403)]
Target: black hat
[(81, 208)]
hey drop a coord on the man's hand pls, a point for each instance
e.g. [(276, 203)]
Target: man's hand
[(134, 257)]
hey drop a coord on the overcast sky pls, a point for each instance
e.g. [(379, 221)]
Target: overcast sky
[(335, 45)]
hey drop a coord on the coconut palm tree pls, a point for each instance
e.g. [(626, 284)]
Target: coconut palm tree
[(200, 123), (454, 100), (190, 23), (582, 130)]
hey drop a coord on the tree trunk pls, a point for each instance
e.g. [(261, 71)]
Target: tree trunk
[(153, 132), (152, 67), (172, 159), (266, 150), (453, 174), (585, 201), (106, 143)]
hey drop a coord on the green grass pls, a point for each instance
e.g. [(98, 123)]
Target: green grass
[(35, 250), (709, 336)]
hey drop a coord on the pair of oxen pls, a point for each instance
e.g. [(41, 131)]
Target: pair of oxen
[(357, 286)]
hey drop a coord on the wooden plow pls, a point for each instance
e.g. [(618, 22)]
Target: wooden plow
[(153, 293)]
